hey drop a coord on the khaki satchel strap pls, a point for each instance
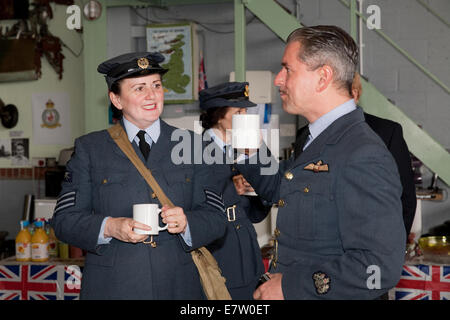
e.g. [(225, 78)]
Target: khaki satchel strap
[(120, 137)]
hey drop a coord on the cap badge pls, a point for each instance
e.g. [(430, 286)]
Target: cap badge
[(246, 92), (143, 63)]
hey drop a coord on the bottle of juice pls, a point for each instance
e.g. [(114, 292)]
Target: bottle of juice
[(23, 242), (52, 241), (39, 243)]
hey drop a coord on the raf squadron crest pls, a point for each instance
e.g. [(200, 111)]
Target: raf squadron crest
[(50, 116)]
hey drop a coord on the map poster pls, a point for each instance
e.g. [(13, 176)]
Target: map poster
[(176, 43)]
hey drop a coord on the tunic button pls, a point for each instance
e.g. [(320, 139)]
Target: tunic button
[(288, 175), (277, 232), (238, 226), (188, 179), (105, 181), (306, 190), (153, 195), (281, 203)]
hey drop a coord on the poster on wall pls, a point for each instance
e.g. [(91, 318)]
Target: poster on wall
[(51, 118), (176, 43)]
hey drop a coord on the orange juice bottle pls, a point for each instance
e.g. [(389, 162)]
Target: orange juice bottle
[(52, 241), (23, 242), (39, 243)]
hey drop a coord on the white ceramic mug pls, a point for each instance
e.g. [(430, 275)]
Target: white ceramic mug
[(245, 131), (148, 213)]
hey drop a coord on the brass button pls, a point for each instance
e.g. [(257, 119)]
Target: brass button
[(188, 179), (276, 232), (281, 203), (306, 190), (105, 181), (288, 175), (238, 226), (233, 168), (153, 195)]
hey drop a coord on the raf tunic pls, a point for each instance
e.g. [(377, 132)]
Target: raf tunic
[(101, 181), (340, 233)]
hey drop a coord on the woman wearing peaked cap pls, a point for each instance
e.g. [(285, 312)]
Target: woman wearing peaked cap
[(95, 208), (238, 252)]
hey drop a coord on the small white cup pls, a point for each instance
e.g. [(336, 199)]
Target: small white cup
[(148, 213), (245, 131)]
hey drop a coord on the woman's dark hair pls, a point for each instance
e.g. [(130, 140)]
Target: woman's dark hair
[(211, 117), (116, 113)]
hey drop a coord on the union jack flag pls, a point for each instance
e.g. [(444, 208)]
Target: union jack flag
[(39, 282), (423, 282)]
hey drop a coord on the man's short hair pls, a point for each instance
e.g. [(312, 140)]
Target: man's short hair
[(328, 45)]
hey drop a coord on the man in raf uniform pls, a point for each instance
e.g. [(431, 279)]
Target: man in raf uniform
[(340, 233)]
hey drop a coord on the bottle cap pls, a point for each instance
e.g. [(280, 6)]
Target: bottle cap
[(38, 224)]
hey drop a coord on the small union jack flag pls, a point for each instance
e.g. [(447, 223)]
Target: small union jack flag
[(39, 282), (423, 282), (28, 282)]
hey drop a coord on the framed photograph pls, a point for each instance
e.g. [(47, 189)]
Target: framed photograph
[(20, 152), (177, 43)]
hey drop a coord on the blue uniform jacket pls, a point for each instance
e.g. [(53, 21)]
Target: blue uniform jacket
[(340, 233), (238, 252), (101, 181)]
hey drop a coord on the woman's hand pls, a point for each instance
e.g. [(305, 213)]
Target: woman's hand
[(175, 218), (122, 229)]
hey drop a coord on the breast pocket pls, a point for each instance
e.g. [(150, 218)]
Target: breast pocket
[(180, 182), (307, 208), (115, 194)]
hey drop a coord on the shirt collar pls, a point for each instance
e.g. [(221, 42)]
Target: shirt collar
[(153, 131), (318, 126), (215, 138)]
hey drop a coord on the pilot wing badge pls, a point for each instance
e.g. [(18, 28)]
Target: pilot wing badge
[(317, 167)]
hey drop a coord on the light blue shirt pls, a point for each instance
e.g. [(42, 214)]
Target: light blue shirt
[(318, 126), (217, 140), (152, 134)]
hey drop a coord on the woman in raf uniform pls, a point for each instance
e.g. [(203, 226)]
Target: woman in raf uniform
[(95, 208), (238, 252)]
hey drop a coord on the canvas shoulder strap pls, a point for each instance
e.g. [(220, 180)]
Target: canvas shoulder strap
[(120, 137)]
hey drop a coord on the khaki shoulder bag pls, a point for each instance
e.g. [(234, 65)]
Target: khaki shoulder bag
[(211, 278)]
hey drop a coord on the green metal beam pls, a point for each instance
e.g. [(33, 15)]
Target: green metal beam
[(403, 52), (433, 12), (421, 144), (239, 41), (273, 16), (95, 91)]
